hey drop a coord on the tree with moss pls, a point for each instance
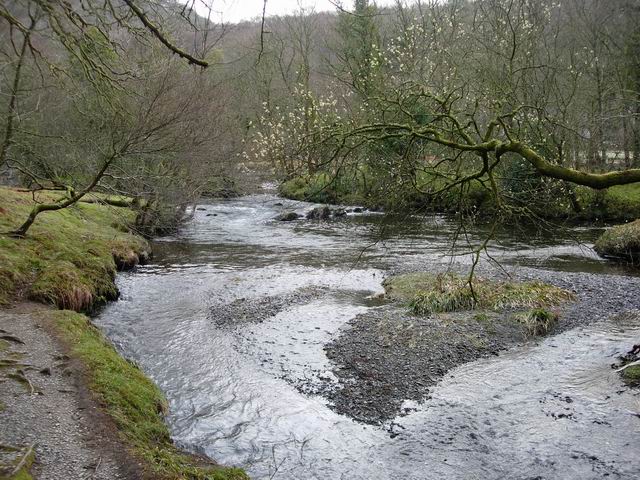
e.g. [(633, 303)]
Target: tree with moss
[(488, 84), (85, 63)]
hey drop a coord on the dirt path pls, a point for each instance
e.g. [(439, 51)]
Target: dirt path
[(52, 409)]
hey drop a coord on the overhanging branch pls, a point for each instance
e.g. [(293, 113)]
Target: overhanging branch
[(597, 181), (160, 36)]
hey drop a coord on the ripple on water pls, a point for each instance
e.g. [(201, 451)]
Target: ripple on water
[(553, 410)]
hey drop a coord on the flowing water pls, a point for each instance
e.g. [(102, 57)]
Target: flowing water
[(551, 410)]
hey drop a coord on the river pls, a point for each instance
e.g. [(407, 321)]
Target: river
[(552, 409)]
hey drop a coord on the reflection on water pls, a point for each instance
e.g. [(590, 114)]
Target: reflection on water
[(552, 410)]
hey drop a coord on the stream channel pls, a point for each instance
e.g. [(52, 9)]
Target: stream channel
[(233, 315)]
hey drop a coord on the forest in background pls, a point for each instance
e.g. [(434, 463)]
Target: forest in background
[(117, 117), (485, 106), (459, 106)]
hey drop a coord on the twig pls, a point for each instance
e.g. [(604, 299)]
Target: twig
[(277, 465), (264, 12), (22, 461), (95, 470), (155, 30), (11, 338), (22, 378), (637, 362)]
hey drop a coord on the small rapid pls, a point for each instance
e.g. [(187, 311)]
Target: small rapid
[(232, 316)]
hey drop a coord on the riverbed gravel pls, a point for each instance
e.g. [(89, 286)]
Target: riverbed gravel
[(257, 309), (387, 355)]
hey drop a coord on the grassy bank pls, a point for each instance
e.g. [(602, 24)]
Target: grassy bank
[(69, 259), (135, 403), (616, 204), (621, 242)]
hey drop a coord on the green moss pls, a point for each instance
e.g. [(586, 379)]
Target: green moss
[(134, 402), (361, 186), (319, 187), (616, 204), (526, 192), (23, 474), (68, 257), (221, 187), (429, 293), (631, 375), (622, 242)]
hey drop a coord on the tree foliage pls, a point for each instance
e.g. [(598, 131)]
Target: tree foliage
[(437, 95), (102, 95)]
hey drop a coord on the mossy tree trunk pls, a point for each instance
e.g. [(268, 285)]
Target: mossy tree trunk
[(74, 197)]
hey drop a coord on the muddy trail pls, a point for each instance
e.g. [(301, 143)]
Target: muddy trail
[(277, 354)]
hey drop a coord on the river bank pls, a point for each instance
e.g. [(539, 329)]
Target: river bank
[(578, 204), (111, 409), (48, 412)]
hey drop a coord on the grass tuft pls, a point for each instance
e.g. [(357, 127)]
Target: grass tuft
[(538, 321), (631, 375), (134, 402), (440, 300), (429, 293)]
